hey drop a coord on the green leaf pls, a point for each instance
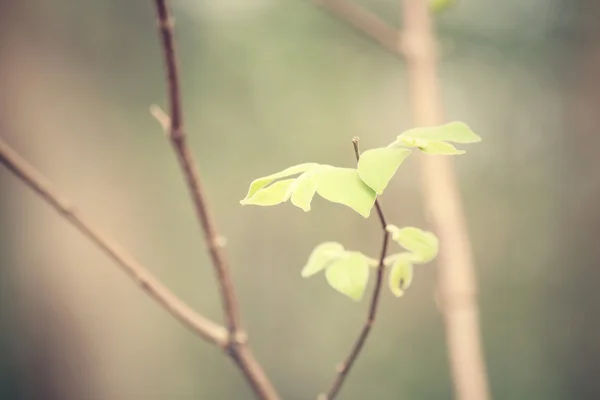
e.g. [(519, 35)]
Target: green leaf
[(349, 275), (278, 192), (440, 149), (423, 245), (344, 186), (401, 274), (377, 166), (260, 183), (456, 132), (440, 5), (321, 257), (303, 192)]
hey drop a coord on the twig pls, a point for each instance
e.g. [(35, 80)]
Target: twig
[(161, 116), (189, 169), (200, 325), (457, 286), (238, 348), (344, 368), (364, 21)]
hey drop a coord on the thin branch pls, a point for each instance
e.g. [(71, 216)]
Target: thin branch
[(238, 348), (365, 21), (189, 169), (457, 284), (344, 368), (200, 325)]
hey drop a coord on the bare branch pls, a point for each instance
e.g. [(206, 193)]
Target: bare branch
[(200, 325), (364, 21), (344, 368), (189, 169), (457, 285), (238, 348)]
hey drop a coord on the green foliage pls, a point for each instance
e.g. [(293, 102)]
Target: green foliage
[(434, 139), (358, 188), (321, 257), (260, 183), (346, 271), (338, 185), (401, 273), (422, 245), (441, 5), (377, 167), (344, 186)]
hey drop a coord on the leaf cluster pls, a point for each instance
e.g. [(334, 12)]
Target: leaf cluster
[(358, 188)]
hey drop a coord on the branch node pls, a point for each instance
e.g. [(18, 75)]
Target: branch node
[(219, 241), (163, 119), (166, 23)]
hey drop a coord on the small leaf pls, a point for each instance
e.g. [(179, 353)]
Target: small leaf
[(377, 166), (423, 245), (441, 5), (457, 132), (321, 257), (304, 192), (278, 192), (440, 149), (344, 186), (349, 275), (401, 274), (260, 183)]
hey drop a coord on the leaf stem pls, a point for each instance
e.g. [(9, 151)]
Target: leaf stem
[(344, 368)]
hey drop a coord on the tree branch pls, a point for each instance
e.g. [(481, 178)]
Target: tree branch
[(190, 171), (237, 347), (344, 368), (200, 325), (366, 22), (457, 285)]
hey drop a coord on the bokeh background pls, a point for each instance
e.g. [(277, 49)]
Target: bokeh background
[(268, 84)]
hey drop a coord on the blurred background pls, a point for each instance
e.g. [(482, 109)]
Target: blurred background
[(268, 84)]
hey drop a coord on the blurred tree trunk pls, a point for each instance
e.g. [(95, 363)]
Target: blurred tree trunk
[(579, 270)]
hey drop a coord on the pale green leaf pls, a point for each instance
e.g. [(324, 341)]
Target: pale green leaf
[(440, 5), (344, 186), (260, 183), (321, 257), (440, 149), (349, 275), (276, 193), (377, 166), (423, 245), (391, 259), (304, 192), (400, 275), (457, 132)]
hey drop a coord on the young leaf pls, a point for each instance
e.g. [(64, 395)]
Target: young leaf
[(456, 132), (278, 192), (344, 186), (260, 183), (441, 149), (401, 274), (321, 257), (349, 275), (423, 245), (304, 192), (441, 5), (377, 166)]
